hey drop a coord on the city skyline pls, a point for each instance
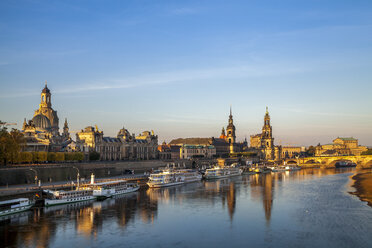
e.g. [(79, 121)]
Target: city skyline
[(149, 67)]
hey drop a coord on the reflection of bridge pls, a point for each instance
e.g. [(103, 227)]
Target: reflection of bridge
[(362, 161)]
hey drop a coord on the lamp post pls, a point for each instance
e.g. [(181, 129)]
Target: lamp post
[(35, 174), (78, 176)]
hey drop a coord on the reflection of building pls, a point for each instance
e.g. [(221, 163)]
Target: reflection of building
[(42, 132), (262, 189), (339, 147), (193, 151), (123, 147), (231, 199)]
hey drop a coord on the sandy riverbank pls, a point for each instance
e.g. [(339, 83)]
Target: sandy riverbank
[(362, 182)]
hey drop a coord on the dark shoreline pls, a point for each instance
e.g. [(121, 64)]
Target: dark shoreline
[(362, 183)]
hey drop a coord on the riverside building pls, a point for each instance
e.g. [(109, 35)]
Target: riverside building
[(122, 147), (340, 147)]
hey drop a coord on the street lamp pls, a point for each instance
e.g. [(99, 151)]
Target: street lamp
[(78, 176), (35, 174)]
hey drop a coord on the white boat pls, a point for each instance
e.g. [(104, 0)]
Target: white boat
[(221, 172), (294, 168), (64, 197), (279, 168), (108, 189), (15, 206), (173, 177)]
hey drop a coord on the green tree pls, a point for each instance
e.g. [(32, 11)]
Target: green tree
[(60, 156), (10, 144), (310, 151), (94, 155), (51, 157), (25, 157)]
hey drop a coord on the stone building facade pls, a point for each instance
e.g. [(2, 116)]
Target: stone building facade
[(340, 147), (123, 147), (201, 151), (42, 131), (291, 151)]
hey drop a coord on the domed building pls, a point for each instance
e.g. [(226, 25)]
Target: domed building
[(42, 132)]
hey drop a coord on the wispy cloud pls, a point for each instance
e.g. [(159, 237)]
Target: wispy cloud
[(193, 75)]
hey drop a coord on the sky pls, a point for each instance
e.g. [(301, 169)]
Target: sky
[(176, 67)]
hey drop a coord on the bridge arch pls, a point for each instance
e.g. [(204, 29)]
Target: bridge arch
[(333, 163), (291, 161)]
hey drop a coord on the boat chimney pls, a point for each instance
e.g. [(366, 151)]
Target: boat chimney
[(92, 179)]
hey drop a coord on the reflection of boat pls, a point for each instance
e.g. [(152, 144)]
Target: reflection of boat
[(66, 207), (19, 218), (345, 164), (294, 168), (173, 177), (15, 206), (221, 172), (279, 168), (107, 189), (63, 197), (262, 170)]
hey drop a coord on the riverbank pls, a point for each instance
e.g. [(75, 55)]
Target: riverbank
[(47, 173), (363, 186)]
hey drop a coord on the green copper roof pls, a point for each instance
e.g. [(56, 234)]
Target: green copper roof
[(350, 138)]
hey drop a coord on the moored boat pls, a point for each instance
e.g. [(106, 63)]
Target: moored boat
[(15, 206), (64, 197), (345, 164), (173, 177), (222, 172), (108, 189)]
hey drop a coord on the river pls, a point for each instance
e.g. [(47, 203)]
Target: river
[(307, 208)]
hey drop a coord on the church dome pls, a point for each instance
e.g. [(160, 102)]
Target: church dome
[(41, 121)]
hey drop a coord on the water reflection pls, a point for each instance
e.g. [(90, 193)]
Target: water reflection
[(43, 226)]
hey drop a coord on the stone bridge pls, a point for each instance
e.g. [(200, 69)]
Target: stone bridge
[(362, 161)]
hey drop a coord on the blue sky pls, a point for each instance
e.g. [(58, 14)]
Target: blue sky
[(176, 66)]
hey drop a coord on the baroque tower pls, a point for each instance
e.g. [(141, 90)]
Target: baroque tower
[(230, 132), (45, 110), (65, 133), (267, 140)]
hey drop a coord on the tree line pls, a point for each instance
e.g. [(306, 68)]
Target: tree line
[(11, 144)]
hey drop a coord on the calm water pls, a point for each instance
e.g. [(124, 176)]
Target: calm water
[(308, 208)]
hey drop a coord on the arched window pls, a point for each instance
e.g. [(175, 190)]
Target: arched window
[(42, 98)]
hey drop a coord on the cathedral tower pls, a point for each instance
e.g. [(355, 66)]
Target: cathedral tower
[(66, 134), (267, 140), (230, 130)]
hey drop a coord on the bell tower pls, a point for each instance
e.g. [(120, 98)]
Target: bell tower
[(46, 101), (267, 140), (230, 130), (65, 133)]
